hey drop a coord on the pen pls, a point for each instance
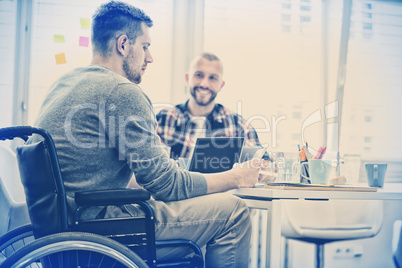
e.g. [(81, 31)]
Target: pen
[(323, 152), (308, 153), (319, 153)]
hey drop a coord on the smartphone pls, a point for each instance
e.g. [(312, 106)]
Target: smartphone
[(260, 153)]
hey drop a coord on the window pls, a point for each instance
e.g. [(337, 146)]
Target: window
[(366, 5), (271, 63), (8, 21), (367, 26), (305, 19), (373, 85), (367, 15), (274, 60), (305, 8)]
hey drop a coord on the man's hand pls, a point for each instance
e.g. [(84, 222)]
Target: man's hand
[(247, 173), (267, 172), (240, 176)]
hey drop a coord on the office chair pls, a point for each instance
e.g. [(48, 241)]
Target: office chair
[(13, 215), (321, 222), (10, 174), (397, 244), (57, 242)]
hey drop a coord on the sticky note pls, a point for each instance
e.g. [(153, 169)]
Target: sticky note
[(58, 38), (84, 41), (84, 23), (60, 58)]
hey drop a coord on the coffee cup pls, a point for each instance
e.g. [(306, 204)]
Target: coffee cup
[(376, 174)]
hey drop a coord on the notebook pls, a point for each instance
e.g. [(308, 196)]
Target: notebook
[(214, 154)]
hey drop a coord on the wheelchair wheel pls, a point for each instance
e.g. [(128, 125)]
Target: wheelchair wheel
[(74, 249), (14, 240)]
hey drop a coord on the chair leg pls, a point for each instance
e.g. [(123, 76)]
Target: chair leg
[(286, 254), (319, 256)]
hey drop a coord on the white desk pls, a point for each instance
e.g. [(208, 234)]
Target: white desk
[(270, 200)]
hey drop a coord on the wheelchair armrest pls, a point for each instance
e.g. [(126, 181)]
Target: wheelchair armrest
[(111, 197)]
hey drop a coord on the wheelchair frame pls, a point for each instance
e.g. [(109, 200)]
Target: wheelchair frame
[(136, 233)]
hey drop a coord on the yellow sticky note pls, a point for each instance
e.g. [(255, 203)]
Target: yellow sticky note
[(84, 23), (60, 58), (58, 38)]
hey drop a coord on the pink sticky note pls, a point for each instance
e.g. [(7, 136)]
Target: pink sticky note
[(84, 41)]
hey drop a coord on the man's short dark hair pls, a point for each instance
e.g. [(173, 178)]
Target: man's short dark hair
[(113, 19), (209, 56)]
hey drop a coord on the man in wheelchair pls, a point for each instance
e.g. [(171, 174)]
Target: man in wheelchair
[(103, 126)]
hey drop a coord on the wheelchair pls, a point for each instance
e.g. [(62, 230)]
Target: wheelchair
[(52, 242)]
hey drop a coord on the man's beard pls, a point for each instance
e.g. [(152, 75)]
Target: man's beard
[(130, 74), (211, 99)]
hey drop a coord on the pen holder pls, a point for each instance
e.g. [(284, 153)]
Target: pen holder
[(304, 174), (319, 170)]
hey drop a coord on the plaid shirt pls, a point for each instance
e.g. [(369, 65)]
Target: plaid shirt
[(177, 130)]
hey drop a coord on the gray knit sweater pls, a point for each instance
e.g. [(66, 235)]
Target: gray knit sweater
[(104, 130)]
